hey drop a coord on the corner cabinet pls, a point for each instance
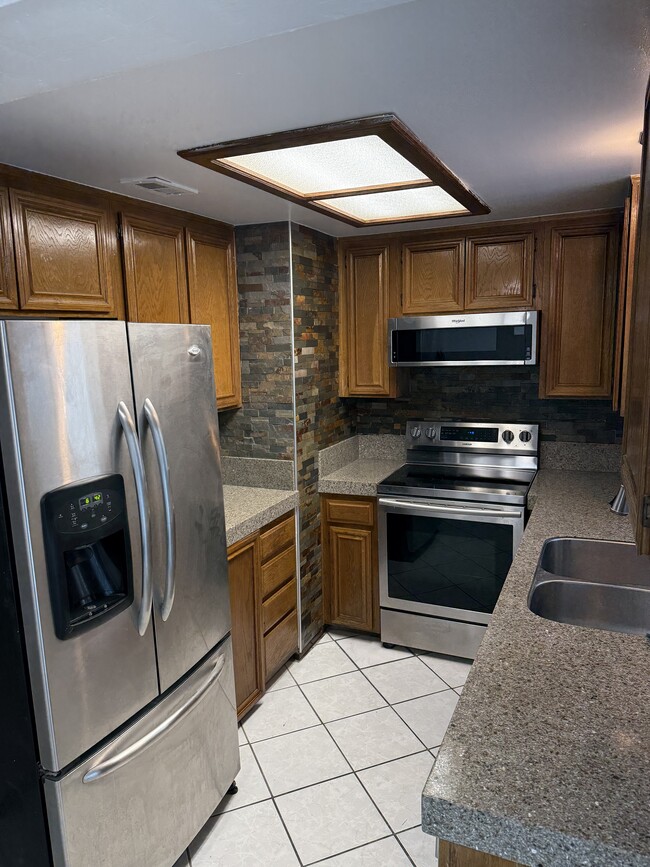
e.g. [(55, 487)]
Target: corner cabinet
[(212, 285), (179, 271), (350, 562), (579, 309), (367, 300), (263, 606), (636, 433)]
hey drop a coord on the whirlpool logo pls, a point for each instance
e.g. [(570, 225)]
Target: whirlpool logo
[(457, 321)]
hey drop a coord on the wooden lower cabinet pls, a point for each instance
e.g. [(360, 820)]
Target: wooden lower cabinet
[(453, 855), (246, 613), (263, 604), (350, 562)]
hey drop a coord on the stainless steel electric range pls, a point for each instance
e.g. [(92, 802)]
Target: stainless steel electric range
[(450, 521)]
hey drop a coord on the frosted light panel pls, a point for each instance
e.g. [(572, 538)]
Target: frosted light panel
[(348, 164), (395, 205)]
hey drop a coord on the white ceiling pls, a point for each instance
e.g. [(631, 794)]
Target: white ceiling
[(535, 104)]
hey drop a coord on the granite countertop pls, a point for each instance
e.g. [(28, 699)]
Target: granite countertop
[(359, 478), (249, 509), (546, 761)]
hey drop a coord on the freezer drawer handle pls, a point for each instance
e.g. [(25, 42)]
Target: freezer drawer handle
[(168, 506), (133, 444), (122, 758)]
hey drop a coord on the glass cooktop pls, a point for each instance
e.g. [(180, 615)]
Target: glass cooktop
[(487, 484)]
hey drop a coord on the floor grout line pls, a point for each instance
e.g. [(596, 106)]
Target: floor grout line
[(352, 771)]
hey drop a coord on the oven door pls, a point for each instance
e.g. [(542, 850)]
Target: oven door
[(445, 558)]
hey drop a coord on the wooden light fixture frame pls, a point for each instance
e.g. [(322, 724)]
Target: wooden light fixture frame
[(386, 126)]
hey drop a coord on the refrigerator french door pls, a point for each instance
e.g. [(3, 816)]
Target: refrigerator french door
[(109, 438)]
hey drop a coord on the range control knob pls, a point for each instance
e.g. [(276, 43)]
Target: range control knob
[(431, 433), (525, 436), (507, 436), (415, 432)]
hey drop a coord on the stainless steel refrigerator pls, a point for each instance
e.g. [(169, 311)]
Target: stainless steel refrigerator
[(116, 536)]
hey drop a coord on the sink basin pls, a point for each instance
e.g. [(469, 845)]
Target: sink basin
[(595, 560), (593, 583)]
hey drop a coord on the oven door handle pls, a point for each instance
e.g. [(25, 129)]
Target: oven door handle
[(455, 510)]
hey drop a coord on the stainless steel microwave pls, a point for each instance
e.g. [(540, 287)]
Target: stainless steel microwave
[(463, 339)]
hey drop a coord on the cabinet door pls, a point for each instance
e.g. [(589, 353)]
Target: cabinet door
[(66, 254), (213, 301), (245, 609), (350, 568), (636, 433), (8, 287), (154, 270), (433, 274), (365, 307), (453, 855), (578, 318), (500, 272)]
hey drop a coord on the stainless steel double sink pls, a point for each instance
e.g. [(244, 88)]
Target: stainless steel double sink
[(593, 583)]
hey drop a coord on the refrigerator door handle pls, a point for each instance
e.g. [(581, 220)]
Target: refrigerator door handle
[(133, 445), (103, 769), (168, 506)]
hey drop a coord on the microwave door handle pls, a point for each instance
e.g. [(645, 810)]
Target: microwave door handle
[(133, 445), (117, 761), (456, 510), (153, 421)]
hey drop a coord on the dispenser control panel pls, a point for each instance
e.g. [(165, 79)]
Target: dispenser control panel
[(88, 553), (94, 508)]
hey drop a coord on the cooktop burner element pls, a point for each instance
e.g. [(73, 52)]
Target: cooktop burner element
[(487, 462)]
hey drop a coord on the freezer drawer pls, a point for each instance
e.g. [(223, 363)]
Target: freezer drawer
[(141, 800)]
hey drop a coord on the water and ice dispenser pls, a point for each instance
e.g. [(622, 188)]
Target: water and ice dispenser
[(88, 552)]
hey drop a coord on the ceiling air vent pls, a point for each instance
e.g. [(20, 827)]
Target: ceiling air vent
[(159, 185)]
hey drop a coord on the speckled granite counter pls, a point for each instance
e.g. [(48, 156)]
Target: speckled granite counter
[(249, 509), (358, 478), (547, 758)]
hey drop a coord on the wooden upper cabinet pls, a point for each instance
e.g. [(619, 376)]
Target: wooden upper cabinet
[(578, 318), (212, 283), (365, 308), (154, 269), (433, 275), (500, 272), (636, 431), (8, 285), (66, 254)]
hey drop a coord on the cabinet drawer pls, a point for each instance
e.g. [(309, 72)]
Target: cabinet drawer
[(278, 570), (277, 538), (350, 512), (278, 605), (280, 643)]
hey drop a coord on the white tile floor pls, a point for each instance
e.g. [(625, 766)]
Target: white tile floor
[(333, 761)]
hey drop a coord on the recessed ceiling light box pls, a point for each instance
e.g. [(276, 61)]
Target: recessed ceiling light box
[(366, 172)]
